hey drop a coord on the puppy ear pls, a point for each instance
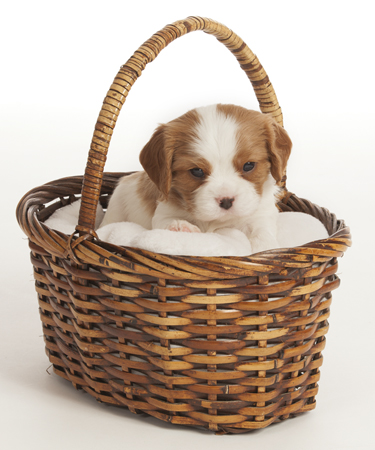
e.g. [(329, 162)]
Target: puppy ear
[(156, 159), (279, 148)]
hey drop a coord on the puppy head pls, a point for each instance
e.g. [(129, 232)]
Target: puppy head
[(217, 161)]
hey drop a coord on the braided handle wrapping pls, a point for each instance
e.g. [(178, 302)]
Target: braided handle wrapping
[(125, 79)]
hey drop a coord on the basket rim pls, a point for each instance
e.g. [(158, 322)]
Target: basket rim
[(32, 212)]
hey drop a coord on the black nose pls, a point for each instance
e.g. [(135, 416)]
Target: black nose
[(226, 202)]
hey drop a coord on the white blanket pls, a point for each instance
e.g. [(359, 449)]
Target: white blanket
[(294, 229)]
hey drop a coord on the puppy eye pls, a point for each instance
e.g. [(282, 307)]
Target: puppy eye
[(249, 166), (196, 172)]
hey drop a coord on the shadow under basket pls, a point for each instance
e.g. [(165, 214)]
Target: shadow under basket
[(230, 344)]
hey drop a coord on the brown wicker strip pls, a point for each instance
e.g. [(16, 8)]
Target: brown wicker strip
[(229, 344)]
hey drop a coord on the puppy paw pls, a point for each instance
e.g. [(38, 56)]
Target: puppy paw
[(183, 225)]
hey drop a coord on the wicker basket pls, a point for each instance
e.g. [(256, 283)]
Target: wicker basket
[(229, 344)]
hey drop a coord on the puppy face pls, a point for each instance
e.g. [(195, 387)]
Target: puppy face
[(216, 161)]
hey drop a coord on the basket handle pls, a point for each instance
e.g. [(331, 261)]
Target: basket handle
[(125, 79)]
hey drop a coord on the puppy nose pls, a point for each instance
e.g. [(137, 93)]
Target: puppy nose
[(226, 202)]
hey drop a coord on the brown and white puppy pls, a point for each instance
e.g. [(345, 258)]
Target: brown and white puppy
[(214, 167)]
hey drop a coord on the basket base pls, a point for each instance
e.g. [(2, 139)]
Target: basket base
[(219, 430)]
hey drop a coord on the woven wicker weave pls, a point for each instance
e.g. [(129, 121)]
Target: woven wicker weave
[(229, 344)]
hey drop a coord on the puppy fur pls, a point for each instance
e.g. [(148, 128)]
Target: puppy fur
[(242, 156)]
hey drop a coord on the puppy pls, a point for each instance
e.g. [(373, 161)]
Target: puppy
[(214, 167)]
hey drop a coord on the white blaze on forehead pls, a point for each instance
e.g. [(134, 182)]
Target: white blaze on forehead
[(217, 143), (217, 137)]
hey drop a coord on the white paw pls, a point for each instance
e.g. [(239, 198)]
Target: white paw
[(183, 225)]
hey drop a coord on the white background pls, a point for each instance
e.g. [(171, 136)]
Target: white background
[(58, 60)]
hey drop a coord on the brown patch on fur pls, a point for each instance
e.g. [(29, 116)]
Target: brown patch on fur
[(259, 174), (159, 154), (260, 140), (279, 148), (156, 160), (184, 184), (147, 193)]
